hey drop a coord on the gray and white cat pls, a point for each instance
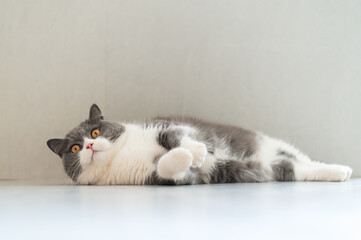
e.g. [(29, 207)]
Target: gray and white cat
[(182, 150)]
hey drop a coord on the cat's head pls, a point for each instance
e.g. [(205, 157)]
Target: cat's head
[(87, 144)]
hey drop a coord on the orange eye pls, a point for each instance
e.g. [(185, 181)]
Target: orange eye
[(75, 148), (95, 133)]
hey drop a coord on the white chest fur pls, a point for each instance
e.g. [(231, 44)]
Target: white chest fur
[(132, 158)]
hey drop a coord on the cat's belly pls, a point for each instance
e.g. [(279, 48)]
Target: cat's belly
[(133, 166), (134, 159)]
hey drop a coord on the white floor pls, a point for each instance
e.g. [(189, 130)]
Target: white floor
[(232, 211)]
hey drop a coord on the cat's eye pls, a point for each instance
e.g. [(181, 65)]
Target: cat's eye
[(95, 133), (75, 148)]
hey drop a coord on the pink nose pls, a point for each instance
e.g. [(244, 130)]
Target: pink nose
[(89, 146)]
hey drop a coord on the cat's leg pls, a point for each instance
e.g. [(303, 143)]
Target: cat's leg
[(298, 170), (299, 166), (317, 171), (286, 163), (178, 136), (175, 164)]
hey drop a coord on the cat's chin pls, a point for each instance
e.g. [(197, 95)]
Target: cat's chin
[(99, 156), (93, 158)]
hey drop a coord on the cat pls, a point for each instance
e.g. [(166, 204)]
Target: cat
[(180, 151)]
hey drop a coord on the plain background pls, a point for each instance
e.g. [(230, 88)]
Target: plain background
[(291, 69)]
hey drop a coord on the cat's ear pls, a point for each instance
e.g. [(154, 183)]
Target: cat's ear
[(56, 145), (95, 112)]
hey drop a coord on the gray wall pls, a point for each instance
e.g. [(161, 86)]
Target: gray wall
[(288, 68)]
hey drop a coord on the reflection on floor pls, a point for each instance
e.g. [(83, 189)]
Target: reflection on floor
[(230, 211)]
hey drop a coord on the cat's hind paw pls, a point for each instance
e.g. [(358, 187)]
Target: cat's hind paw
[(199, 154), (340, 173), (198, 150), (349, 172)]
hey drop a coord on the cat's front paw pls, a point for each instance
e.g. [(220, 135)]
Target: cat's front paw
[(175, 163), (198, 150)]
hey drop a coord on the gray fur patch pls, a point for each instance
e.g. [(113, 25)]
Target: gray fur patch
[(154, 179), (234, 171), (70, 160), (193, 176), (242, 142), (71, 163), (286, 154), (170, 138), (283, 171)]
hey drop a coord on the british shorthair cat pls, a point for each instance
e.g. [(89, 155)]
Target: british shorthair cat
[(182, 150)]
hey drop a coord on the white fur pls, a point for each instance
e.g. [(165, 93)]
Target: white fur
[(316, 171), (100, 145), (130, 160)]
